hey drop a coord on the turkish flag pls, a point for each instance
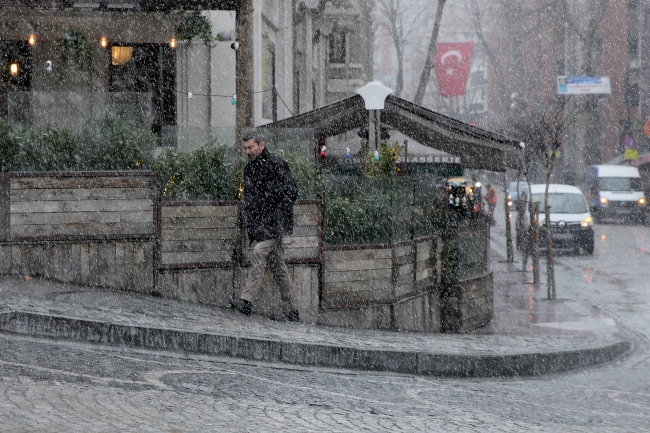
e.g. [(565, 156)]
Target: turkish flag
[(452, 67)]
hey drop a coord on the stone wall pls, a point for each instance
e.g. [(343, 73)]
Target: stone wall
[(393, 286), (108, 229), (94, 229)]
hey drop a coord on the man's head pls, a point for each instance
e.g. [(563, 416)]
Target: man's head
[(253, 144), (488, 186)]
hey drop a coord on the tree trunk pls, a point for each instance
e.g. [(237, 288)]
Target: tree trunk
[(550, 272), (509, 252), (244, 66), (431, 55), (399, 81)]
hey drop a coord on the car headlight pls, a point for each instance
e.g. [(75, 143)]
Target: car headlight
[(587, 222), (509, 203), (641, 202), (509, 196), (603, 200)]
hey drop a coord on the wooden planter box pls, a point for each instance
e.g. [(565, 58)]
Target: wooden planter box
[(382, 286), (109, 229)]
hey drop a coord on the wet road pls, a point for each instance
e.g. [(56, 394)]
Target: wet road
[(60, 386)]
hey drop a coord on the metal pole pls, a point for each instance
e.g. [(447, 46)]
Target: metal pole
[(534, 238), (550, 270), (274, 93), (509, 252), (243, 67)]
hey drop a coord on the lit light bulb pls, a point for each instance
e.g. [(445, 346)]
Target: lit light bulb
[(103, 42), (14, 69), (31, 39), (173, 43)]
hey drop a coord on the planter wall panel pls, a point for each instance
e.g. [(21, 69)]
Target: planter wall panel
[(305, 280), (354, 276), (476, 302), (197, 234), (305, 244), (65, 206)]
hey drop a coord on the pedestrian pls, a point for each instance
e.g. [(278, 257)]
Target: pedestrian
[(269, 194), (491, 198)]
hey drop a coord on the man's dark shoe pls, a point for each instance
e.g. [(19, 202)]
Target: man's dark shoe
[(243, 306), (288, 316)]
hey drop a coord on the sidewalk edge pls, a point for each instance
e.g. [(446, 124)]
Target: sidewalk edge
[(445, 365)]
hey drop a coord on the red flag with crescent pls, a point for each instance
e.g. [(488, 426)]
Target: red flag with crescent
[(453, 61)]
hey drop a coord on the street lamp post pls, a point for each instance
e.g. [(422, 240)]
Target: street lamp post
[(509, 252)]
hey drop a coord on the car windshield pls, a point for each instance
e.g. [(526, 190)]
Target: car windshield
[(512, 186), (619, 184), (563, 203)]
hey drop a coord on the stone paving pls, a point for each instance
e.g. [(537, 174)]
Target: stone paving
[(556, 336), (53, 385)]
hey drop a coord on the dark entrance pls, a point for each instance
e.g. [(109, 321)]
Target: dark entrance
[(16, 81), (144, 89)]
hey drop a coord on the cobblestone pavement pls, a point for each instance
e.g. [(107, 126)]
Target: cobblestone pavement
[(53, 386), (56, 386)]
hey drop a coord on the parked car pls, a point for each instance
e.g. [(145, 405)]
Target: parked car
[(615, 191), (571, 223), (515, 191)]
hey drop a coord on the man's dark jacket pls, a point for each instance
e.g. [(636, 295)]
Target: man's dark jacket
[(269, 194)]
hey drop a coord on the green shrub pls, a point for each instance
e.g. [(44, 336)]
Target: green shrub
[(58, 150), (169, 169), (386, 165), (113, 143), (196, 26), (361, 219), (202, 174), (24, 149), (304, 173), (7, 146)]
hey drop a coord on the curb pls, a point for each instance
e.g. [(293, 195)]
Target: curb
[(423, 363)]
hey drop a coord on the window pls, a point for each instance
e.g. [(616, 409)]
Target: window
[(632, 95), (620, 184), (144, 88), (15, 81), (632, 43), (563, 203), (337, 45)]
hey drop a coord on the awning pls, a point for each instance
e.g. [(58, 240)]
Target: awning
[(479, 149)]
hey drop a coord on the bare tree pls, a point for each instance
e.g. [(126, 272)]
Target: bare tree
[(401, 20), (431, 54), (517, 21), (541, 127), (584, 45)]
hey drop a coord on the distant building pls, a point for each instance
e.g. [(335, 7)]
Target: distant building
[(533, 44)]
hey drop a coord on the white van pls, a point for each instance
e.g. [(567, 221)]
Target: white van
[(615, 191), (571, 222)]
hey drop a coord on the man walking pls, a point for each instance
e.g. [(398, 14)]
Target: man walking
[(269, 194)]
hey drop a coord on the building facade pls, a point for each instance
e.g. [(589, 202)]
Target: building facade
[(65, 60), (532, 42)]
